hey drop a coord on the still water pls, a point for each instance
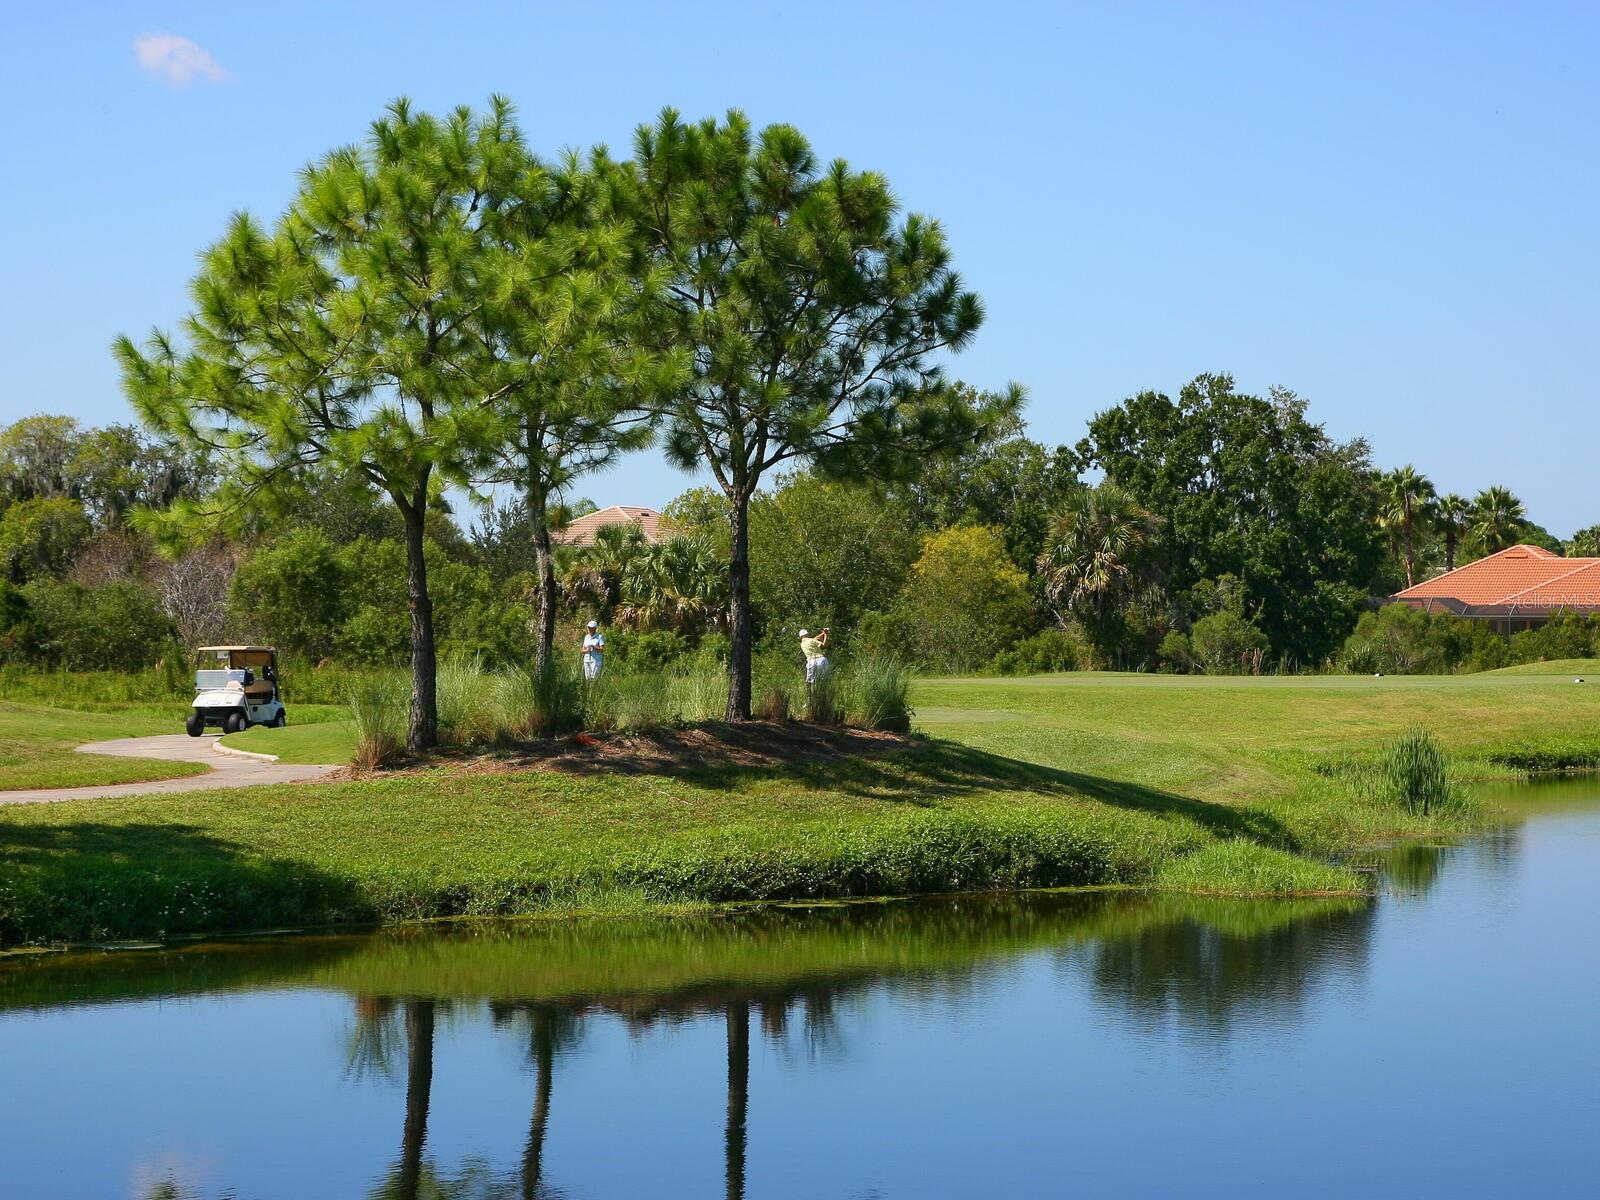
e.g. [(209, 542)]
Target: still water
[(1443, 1040)]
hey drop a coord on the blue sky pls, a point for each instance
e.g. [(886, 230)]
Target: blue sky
[(1390, 208)]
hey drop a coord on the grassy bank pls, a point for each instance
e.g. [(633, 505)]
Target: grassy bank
[(36, 748), (1208, 785)]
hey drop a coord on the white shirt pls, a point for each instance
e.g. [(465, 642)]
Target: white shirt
[(594, 643)]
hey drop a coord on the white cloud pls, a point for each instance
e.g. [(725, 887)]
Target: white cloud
[(176, 59)]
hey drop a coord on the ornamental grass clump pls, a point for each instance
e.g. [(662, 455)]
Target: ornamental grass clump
[(531, 702), (466, 700), (774, 703), (699, 695), (823, 698), (1414, 774), (616, 701), (379, 708), (875, 691)]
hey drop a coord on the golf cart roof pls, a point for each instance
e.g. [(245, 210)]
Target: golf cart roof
[(256, 649)]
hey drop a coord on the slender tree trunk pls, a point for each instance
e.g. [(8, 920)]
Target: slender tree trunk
[(419, 1086), (544, 1060), (739, 631), (424, 724), (1450, 548), (1411, 556), (735, 1133), (544, 570)]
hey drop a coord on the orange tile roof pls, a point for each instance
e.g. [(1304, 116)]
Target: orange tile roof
[(581, 532), (1517, 579)]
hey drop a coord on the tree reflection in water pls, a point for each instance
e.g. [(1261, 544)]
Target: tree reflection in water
[(1208, 964), (1202, 962), (800, 976)]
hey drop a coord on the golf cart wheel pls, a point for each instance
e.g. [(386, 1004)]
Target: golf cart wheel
[(281, 720), (233, 723), (195, 724)]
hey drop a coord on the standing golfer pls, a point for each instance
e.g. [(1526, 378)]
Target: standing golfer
[(816, 660), (594, 652)]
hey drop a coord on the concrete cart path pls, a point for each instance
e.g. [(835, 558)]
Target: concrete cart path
[(227, 770)]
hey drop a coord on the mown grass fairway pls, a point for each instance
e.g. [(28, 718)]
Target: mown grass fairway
[(36, 748), (1198, 784), (324, 742)]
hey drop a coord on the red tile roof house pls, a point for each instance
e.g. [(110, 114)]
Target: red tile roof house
[(581, 532), (1518, 588)]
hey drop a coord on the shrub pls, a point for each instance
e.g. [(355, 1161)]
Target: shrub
[(1226, 643), (1177, 654), (873, 689), (884, 633), (1400, 640), (1567, 635), (1414, 775), (643, 653), (380, 711), (1046, 651), (113, 626)]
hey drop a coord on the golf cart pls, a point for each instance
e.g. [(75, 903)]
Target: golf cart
[(236, 687)]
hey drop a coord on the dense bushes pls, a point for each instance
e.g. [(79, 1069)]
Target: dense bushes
[(58, 625), (1227, 643), (1047, 651), (313, 599), (1400, 640)]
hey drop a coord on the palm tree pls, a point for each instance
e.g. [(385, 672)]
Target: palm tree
[(680, 584), (592, 577), (1452, 512), (1585, 543), (1098, 552), (1407, 502), (1497, 519)]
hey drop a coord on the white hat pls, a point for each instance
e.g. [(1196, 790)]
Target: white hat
[(805, 633), (593, 625)]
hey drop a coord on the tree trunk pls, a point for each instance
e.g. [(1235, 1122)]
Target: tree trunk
[(544, 1053), (735, 1133), (1411, 556), (419, 1086), (544, 570), (1450, 548), (739, 632), (423, 731)]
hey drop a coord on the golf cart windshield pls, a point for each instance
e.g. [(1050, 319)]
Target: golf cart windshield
[(215, 680)]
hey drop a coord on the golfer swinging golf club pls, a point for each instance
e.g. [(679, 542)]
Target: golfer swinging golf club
[(594, 651), (816, 660)]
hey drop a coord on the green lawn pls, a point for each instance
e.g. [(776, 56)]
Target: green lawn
[(36, 748), (323, 742), (1572, 667), (1212, 785)]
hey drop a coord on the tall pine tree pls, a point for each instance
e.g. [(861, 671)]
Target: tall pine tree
[(811, 315)]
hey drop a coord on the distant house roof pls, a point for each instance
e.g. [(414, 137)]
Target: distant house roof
[(1518, 581), (582, 531)]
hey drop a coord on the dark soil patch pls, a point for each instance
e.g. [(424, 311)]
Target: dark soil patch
[(718, 744)]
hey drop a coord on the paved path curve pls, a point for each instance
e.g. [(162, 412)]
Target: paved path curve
[(227, 770)]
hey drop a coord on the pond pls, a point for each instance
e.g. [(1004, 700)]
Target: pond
[(1438, 1041)]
